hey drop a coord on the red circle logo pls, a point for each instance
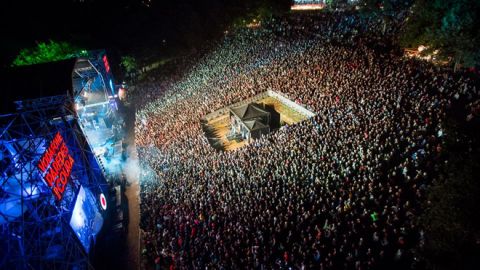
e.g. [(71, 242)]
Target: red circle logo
[(103, 201)]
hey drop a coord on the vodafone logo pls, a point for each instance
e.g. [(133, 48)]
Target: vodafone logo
[(103, 201)]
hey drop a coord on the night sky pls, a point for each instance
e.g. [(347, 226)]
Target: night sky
[(125, 26)]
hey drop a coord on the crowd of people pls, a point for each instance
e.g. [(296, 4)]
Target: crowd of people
[(340, 190)]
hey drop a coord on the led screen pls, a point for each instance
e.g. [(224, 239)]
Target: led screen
[(86, 220)]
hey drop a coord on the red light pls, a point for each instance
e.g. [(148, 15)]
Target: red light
[(57, 165), (105, 63)]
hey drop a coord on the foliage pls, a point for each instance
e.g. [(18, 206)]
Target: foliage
[(451, 218), (129, 63), (47, 52), (383, 7), (370, 5), (261, 10), (449, 26)]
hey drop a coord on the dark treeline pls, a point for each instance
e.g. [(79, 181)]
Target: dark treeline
[(124, 25)]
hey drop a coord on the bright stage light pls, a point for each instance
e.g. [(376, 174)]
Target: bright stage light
[(111, 86), (78, 216), (122, 93), (30, 191), (308, 7), (421, 48)]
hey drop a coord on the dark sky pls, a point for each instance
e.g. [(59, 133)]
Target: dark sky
[(122, 25)]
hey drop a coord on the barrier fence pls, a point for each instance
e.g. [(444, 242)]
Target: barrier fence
[(269, 93)]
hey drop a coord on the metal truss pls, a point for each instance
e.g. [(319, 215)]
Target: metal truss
[(88, 70), (34, 227)]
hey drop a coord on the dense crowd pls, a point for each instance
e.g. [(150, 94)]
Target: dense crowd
[(340, 190)]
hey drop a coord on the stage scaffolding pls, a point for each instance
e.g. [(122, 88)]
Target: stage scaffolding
[(35, 226)]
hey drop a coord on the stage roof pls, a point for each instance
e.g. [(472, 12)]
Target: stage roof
[(249, 111), (35, 81), (253, 125)]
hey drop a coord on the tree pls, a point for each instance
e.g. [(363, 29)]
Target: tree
[(451, 220), (449, 26), (387, 10), (370, 6), (129, 63), (47, 52)]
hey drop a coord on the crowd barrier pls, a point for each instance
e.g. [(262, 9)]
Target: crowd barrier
[(269, 93)]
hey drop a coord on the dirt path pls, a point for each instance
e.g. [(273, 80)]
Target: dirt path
[(133, 238), (132, 192)]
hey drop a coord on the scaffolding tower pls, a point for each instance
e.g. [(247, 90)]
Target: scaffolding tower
[(35, 225)]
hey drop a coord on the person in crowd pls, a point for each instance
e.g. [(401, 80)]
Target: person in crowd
[(339, 190)]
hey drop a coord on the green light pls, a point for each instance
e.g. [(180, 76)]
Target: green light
[(47, 52)]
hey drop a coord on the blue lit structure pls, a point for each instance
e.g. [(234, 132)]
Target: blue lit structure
[(38, 230)]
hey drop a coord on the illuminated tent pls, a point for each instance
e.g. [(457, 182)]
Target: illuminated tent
[(250, 120)]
